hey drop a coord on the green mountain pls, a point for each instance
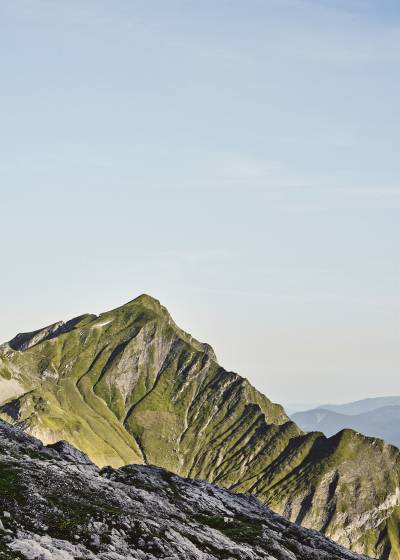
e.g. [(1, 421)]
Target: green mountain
[(129, 386), (136, 512)]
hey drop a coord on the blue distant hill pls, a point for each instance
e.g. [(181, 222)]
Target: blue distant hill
[(378, 417)]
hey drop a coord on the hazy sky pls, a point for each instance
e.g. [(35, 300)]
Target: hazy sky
[(238, 160)]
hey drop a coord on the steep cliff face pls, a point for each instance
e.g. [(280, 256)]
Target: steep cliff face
[(126, 387), (133, 513), (129, 386)]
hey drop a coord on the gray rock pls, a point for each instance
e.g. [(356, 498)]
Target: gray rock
[(60, 512)]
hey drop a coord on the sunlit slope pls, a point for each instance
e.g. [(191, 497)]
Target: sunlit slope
[(98, 382), (129, 386)]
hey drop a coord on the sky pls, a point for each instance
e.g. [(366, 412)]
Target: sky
[(239, 161)]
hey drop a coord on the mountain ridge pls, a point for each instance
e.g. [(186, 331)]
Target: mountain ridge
[(133, 513), (129, 386)]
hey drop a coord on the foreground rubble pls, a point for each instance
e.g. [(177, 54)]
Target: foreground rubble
[(55, 504)]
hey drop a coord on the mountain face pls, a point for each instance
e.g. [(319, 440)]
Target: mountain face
[(133, 513), (129, 386), (381, 422)]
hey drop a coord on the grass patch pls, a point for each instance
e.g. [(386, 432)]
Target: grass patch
[(10, 486), (77, 516), (238, 530)]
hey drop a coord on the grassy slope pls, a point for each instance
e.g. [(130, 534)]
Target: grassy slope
[(130, 386)]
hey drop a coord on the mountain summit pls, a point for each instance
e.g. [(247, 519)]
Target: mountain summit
[(129, 386)]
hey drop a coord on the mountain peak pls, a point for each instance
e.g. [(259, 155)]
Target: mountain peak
[(154, 306), (130, 386), (146, 299)]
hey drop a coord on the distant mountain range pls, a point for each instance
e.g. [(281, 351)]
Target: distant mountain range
[(378, 417), (355, 407), (130, 386), (363, 405)]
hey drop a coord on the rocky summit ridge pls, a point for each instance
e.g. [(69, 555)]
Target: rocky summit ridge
[(57, 505), (129, 386)]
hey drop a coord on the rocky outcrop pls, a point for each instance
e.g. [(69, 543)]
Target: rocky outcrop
[(57, 505), (130, 386)]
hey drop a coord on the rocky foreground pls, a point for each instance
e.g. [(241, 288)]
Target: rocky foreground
[(56, 504), (129, 386)]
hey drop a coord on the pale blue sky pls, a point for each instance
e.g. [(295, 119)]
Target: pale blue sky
[(238, 160)]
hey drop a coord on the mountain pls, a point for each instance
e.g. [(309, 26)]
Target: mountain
[(358, 407), (355, 407), (135, 512), (382, 422), (129, 386), (291, 408)]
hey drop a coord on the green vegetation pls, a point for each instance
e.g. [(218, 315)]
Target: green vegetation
[(10, 486), (7, 481), (237, 530), (129, 386)]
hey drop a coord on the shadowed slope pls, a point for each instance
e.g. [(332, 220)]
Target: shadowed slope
[(133, 513), (129, 386)]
